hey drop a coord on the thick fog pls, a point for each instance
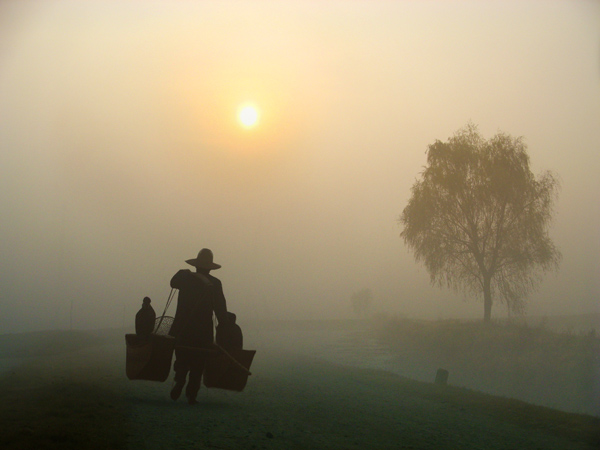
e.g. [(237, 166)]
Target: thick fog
[(121, 155)]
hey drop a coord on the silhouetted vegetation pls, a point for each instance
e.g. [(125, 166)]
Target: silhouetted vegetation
[(533, 364), (478, 218)]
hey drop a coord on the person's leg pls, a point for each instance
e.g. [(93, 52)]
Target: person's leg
[(196, 368), (181, 368)]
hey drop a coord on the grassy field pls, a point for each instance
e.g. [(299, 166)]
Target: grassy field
[(78, 396), (531, 363), (48, 405)]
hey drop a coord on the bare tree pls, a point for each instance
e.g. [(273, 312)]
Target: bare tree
[(478, 218)]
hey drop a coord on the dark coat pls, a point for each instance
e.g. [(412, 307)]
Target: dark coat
[(199, 296)]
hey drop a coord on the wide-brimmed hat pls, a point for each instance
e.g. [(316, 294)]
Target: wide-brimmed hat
[(204, 260)]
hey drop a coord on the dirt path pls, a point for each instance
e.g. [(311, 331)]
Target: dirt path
[(301, 403), (296, 401)]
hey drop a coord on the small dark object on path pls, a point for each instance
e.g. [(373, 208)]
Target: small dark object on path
[(441, 377)]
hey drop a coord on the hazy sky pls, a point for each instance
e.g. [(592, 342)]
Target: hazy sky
[(121, 155)]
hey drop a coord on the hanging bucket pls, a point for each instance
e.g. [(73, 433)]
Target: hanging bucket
[(228, 370), (149, 357)]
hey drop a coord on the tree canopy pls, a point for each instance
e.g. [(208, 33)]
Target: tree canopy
[(478, 218)]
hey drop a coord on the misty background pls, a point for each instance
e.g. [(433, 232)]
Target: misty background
[(120, 154)]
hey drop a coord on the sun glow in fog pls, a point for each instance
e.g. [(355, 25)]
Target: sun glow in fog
[(248, 116)]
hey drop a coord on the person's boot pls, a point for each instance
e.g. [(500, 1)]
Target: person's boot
[(176, 391), (191, 395)]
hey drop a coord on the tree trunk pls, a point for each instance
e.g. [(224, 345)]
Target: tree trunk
[(487, 299)]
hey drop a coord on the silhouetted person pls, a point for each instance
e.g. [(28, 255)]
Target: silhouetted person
[(229, 335), (145, 318), (199, 295)]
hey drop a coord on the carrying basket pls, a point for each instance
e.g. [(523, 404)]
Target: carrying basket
[(149, 357), (228, 369)]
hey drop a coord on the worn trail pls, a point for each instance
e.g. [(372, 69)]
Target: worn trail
[(293, 400)]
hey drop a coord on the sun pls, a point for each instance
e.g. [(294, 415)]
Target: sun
[(248, 116)]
